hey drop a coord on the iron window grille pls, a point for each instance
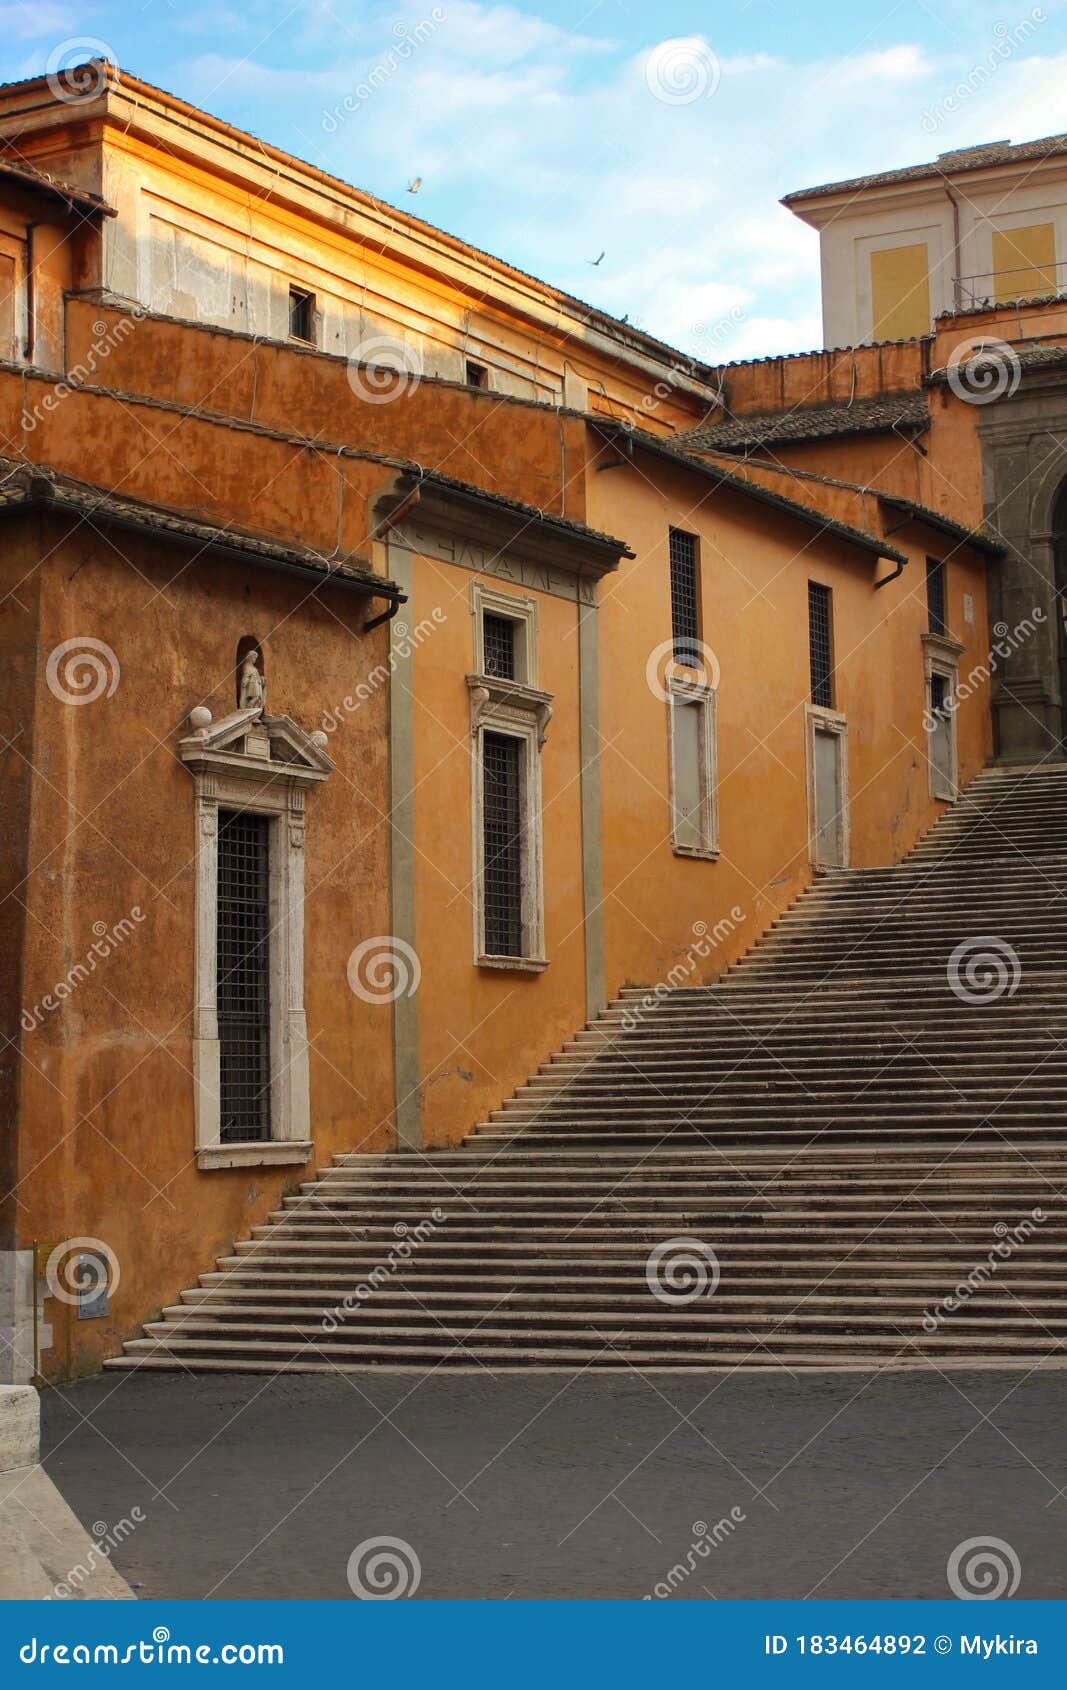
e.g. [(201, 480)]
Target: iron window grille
[(820, 645), (498, 646), (243, 983), (935, 595), (502, 844), (685, 612)]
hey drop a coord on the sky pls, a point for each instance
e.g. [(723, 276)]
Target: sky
[(655, 138)]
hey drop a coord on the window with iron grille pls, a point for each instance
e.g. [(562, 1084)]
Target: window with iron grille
[(938, 694), (820, 645), (502, 844), (935, 595), (243, 952), (685, 613), (498, 646)]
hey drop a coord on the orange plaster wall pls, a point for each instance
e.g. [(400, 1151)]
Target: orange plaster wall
[(754, 574), (531, 452), (483, 1030), (107, 1127)]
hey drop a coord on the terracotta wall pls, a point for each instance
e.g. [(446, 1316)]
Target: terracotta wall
[(107, 1136), (754, 572), (482, 1031), (487, 439)]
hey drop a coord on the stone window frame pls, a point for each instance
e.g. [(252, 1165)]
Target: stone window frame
[(941, 655), (689, 693), (506, 707), (248, 777), (835, 722), (519, 608)]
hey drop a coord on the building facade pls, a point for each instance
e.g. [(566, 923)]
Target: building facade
[(365, 739)]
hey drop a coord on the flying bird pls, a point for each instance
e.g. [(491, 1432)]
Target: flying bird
[(415, 185), (595, 261)]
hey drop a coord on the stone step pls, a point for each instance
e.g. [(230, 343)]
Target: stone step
[(450, 1344), (734, 1292), (853, 1138)]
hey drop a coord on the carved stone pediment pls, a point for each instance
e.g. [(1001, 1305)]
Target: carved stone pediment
[(258, 745)]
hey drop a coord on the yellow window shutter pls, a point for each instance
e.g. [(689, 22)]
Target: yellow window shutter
[(900, 292), (1024, 262)]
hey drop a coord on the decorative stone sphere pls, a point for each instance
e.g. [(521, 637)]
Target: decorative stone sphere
[(200, 717), (320, 739)]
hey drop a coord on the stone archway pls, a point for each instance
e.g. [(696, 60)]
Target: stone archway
[(1024, 475)]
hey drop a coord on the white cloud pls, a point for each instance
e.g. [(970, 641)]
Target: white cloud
[(547, 147)]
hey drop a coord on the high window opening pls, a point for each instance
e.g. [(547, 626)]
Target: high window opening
[(243, 963), (498, 646), (685, 598), (502, 844), (301, 315), (935, 595), (821, 645), (475, 375)]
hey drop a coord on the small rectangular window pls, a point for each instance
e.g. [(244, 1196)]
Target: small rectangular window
[(935, 595), (685, 604), (694, 829), (820, 645), (301, 315), (498, 646), (476, 375), (502, 844)]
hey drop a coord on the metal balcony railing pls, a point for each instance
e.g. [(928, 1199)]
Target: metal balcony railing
[(1037, 281)]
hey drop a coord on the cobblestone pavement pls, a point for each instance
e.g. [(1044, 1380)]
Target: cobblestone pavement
[(549, 1485)]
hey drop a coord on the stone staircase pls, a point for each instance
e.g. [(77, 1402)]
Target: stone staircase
[(804, 1165)]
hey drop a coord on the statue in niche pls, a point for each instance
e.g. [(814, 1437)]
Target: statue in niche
[(252, 689)]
